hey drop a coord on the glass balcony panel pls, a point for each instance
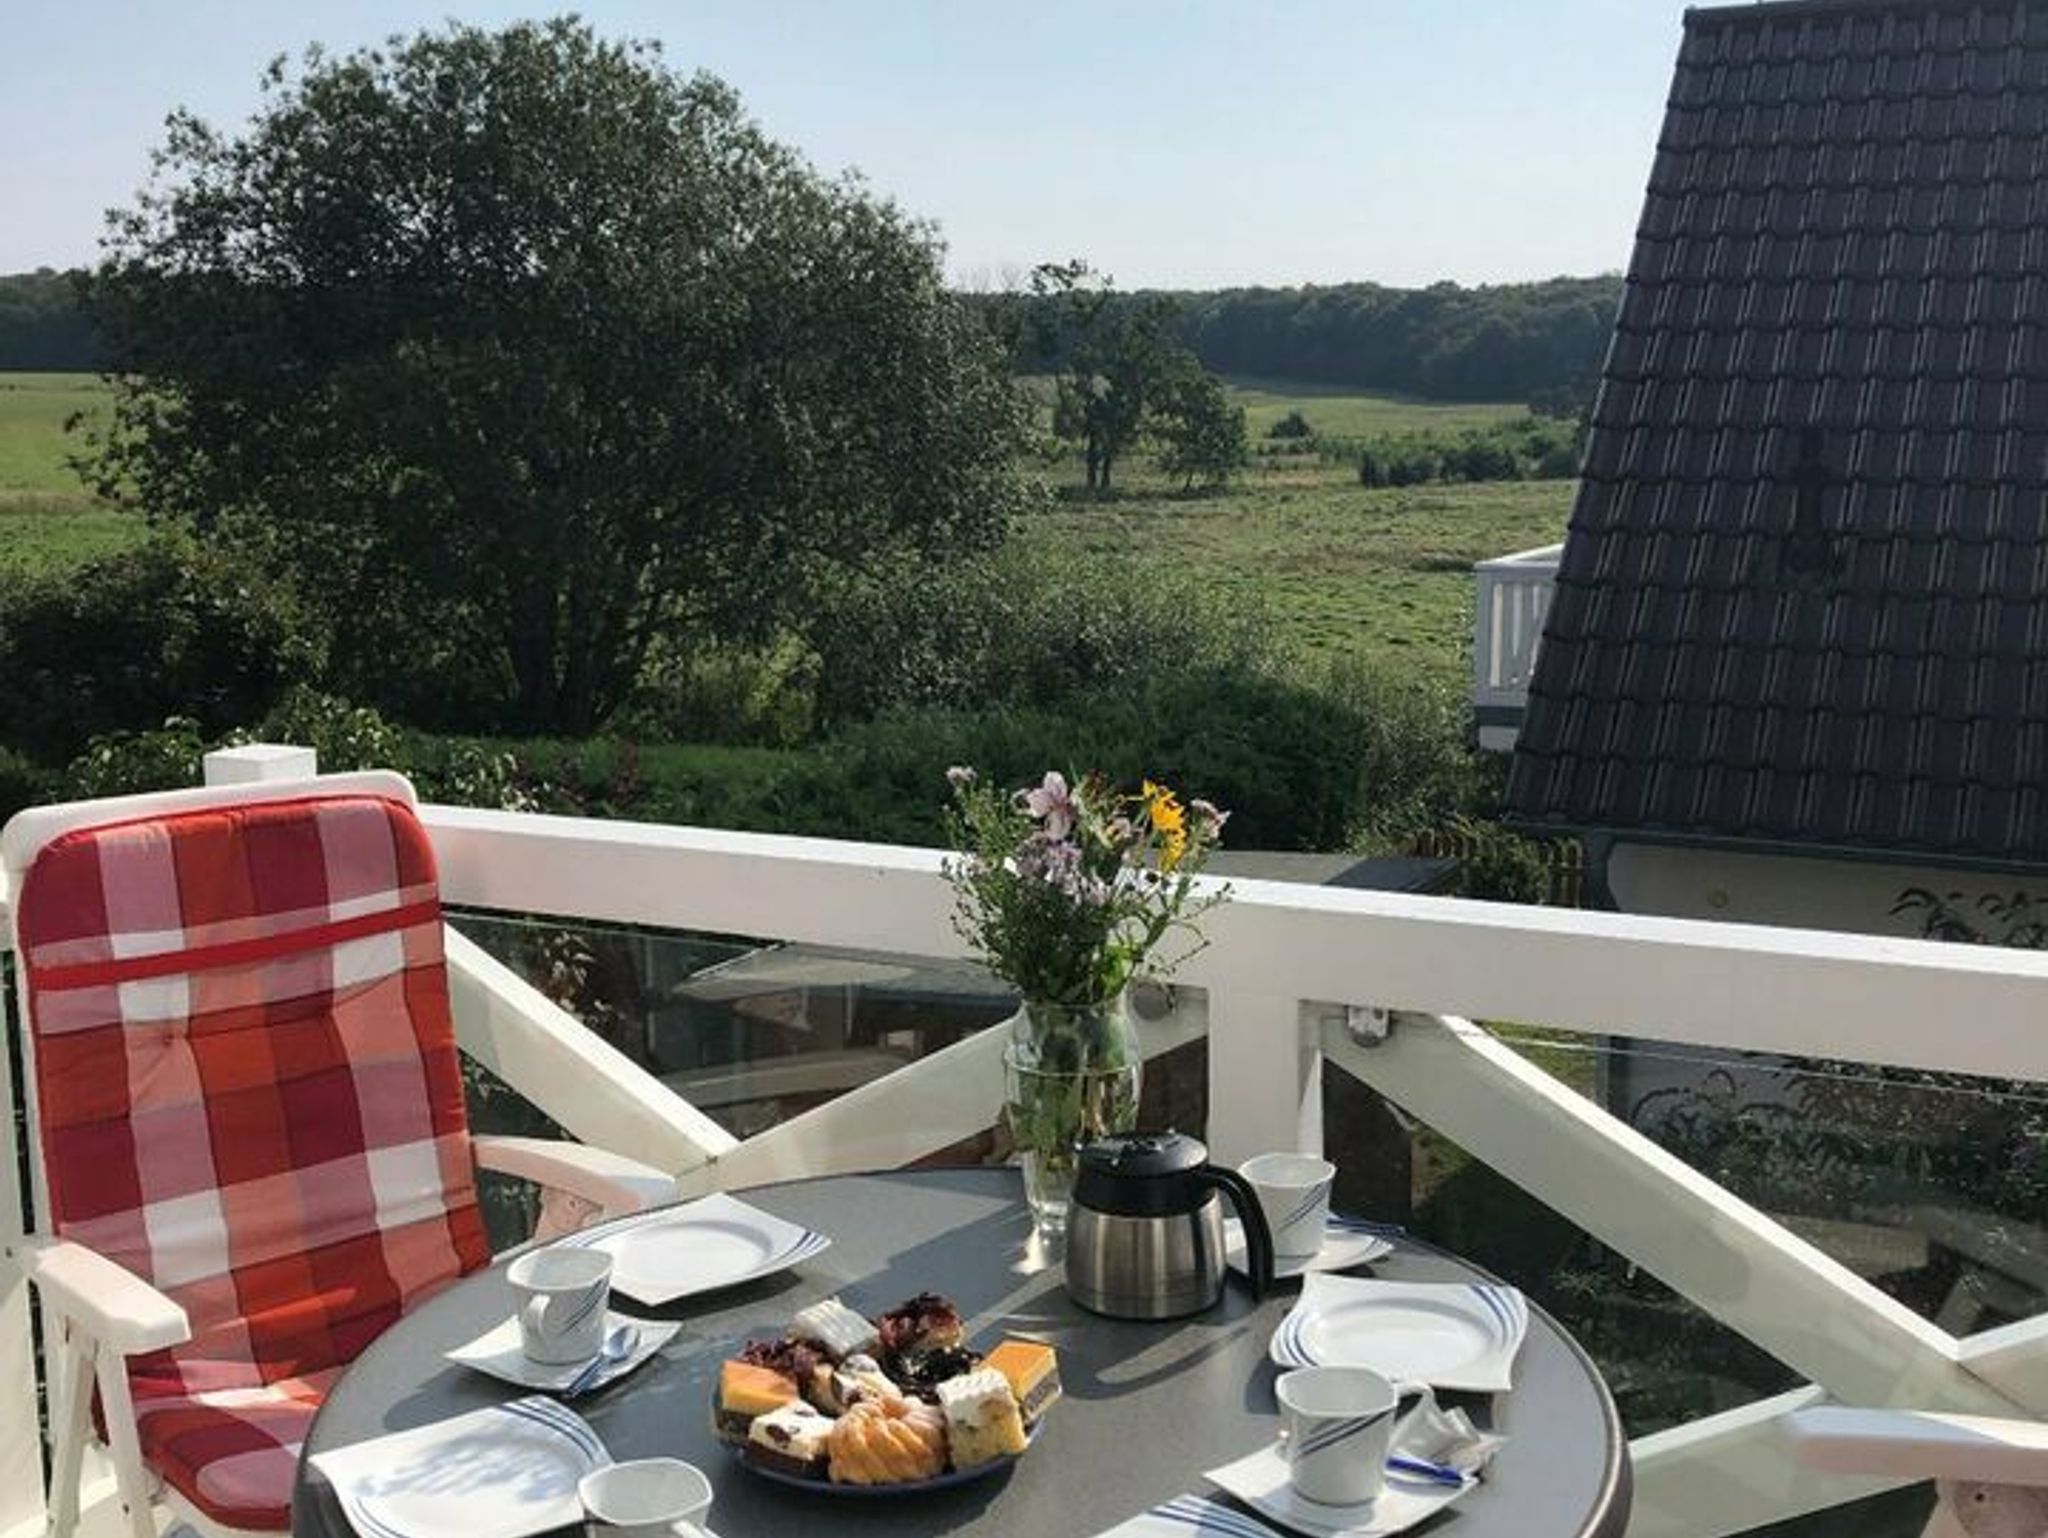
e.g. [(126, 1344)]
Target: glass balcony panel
[(1933, 1187), (1665, 1361), (754, 1032)]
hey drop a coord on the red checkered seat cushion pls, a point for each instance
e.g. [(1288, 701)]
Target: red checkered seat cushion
[(249, 1094)]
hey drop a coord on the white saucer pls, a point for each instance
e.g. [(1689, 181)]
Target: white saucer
[(1346, 1243), (497, 1353), (1260, 1481)]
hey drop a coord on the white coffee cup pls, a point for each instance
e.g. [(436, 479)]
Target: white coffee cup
[(1294, 1191), (1340, 1424), (561, 1296), (646, 1498)]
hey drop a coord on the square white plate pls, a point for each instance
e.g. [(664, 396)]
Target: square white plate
[(497, 1352), (1346, 1243), (507, 1471), (1260, 1481), (1451, 1335), (701, 1246)]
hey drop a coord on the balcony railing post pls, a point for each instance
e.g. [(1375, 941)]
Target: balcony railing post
[(1265, 1076), (254, 763)]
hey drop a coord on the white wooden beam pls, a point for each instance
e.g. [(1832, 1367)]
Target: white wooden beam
[(1732, 1473), (2013, 1359), (1729, 1259), (1750, 987), (824, 891), (590, 1088), (1805, 992)]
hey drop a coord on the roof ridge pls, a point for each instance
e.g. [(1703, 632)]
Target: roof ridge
[(1701, 16)]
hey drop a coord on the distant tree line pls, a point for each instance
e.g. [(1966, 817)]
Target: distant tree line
[(1516, 342), (1503, 342), (41, 323)]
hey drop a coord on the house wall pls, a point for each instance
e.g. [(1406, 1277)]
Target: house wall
[(1797, 892)]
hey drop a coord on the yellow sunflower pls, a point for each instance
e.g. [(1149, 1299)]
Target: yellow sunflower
[(1169, 821)]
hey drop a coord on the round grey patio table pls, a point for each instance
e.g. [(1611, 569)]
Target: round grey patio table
[(1147, 1406)]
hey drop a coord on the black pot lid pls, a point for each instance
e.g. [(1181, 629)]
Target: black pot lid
[(1145, 1155)]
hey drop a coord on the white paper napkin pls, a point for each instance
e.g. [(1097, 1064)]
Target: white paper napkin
[(1434, 1434)]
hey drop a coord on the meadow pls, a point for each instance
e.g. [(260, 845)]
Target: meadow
[(1383, 572), (47, 519)]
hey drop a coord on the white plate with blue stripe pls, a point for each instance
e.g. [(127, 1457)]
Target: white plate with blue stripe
[(1450, 1335), (508, 1471), (716, 1241)]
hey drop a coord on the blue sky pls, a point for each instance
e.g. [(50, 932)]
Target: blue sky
[(1188, 143)]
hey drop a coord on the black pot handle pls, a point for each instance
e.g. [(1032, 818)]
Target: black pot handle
[(1258, 1237)]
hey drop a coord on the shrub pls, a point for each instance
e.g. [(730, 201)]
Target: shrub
[(727, 694), (1410, 750), (1293, 425), (1499, 866), (22, 783), (1404, 461), (130, 639), (1482, 457), (124, 763), (345, 736), (1020, 628), (1558, 462), (1297, 766)]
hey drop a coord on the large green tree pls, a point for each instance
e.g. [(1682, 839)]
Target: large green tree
[(1114, 361), (521, 350)]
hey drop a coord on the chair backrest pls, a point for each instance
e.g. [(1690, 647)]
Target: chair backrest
[(246, 1086)]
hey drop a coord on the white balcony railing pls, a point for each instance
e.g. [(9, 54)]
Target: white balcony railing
[(1288, 981), (1513, 600)]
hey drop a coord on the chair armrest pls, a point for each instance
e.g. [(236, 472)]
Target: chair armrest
[(612, 1182), (1920, 1445), (105, 1299)]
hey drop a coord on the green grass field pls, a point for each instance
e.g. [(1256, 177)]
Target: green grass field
[(47, 519), (1384, 572), (1339, 413), (1342, 568)]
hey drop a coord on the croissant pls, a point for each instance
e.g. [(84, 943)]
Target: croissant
[(888, 1442)]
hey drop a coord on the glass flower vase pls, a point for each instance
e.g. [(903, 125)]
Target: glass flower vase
[(1071, 1075)]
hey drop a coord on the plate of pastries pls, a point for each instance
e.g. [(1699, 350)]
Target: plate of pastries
[(883, 1404)]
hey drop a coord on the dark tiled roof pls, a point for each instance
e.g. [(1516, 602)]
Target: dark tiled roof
[(1804, 596)]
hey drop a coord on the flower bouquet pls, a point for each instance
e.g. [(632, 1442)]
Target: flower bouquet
[(1069, 890)]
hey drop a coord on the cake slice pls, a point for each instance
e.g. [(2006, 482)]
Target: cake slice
[(744, 1392), (927, 1322), (1033, 1372), (858, 1377), (982, 1423), (835, 1327), (792, 1440)]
